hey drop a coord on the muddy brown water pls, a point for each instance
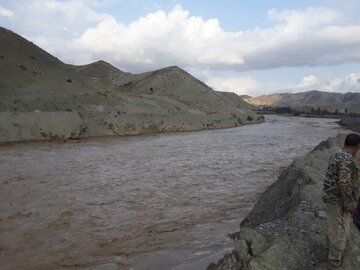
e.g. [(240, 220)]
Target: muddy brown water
[(164, 201)]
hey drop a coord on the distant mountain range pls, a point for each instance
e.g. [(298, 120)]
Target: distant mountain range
[(309, 100)]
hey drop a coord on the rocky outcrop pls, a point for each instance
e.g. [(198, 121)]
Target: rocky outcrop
[(352, 122), (287, 227), (98, 99)]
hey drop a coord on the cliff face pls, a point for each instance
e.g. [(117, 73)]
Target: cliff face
[(310, 99), (39, 92), (287, 227)]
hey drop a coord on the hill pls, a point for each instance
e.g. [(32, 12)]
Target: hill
[(43, 98), (311, 99)]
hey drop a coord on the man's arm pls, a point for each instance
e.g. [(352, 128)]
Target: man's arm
[(357, 161), (345, 183)]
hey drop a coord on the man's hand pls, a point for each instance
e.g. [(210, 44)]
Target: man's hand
[(357, 161), (350, 210)]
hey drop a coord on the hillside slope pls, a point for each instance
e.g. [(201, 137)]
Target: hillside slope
[(42, 98), (311, 99)]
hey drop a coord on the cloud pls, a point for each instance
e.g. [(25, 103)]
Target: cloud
[(300, 38), (6, 12), (308, 37), (76, 32), (308, 81), (162, 39), (247, 85), (54, 19), (349, 83), (240, 85)]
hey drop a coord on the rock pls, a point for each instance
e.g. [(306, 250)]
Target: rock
[(287, 227), (243, 250), (321, 214)]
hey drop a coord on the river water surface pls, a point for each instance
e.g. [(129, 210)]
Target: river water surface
[(164, 201)]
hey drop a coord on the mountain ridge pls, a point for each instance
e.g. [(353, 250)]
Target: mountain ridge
[(98, 99), (310, 99)]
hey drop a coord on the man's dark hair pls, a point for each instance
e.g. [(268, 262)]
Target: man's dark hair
[(352, 140)]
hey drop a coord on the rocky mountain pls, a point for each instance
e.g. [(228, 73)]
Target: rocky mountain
[(287, 227), (311, 99), (42, 98)]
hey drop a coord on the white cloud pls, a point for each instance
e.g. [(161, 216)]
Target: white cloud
[(240, 85), (247, 85), (6, 12), (308, 81), (308, 37), (161, 39), (349, 83)]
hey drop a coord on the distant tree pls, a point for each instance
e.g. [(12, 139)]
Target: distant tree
[(346, 110), (336, 111)]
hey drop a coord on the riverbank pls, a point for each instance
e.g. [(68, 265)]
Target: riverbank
[(351, 122), (286, 228)]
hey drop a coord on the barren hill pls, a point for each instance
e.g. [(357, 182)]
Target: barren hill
[(42, 98), (311, 99), (104, 73)]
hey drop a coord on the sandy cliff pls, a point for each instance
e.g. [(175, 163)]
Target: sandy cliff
[(287, 227), (42, 98)]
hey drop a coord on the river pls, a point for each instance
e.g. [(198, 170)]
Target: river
[(162, 201)]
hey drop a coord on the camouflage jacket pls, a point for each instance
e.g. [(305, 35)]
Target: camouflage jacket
[(341, 182)]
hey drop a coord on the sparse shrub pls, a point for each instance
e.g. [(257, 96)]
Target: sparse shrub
[(32, 57), (2, 57), (22, 67), (69, 80), (249, 118)]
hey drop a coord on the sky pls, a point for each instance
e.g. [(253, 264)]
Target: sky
[(247, 47)]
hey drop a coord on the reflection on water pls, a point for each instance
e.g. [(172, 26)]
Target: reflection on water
[(151, 202)]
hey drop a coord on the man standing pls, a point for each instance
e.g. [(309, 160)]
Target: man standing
[(341, 192)]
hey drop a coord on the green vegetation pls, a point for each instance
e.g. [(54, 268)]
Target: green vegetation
[(323, 113)]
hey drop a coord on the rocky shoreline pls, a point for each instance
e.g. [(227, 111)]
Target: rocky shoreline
[(287, 227), (351, 122)]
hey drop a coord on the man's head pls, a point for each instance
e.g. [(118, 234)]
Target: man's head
[(352, 143)]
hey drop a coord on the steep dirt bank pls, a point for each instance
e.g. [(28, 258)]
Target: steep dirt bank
[(287, 227), (351, 122), (42, 98)]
